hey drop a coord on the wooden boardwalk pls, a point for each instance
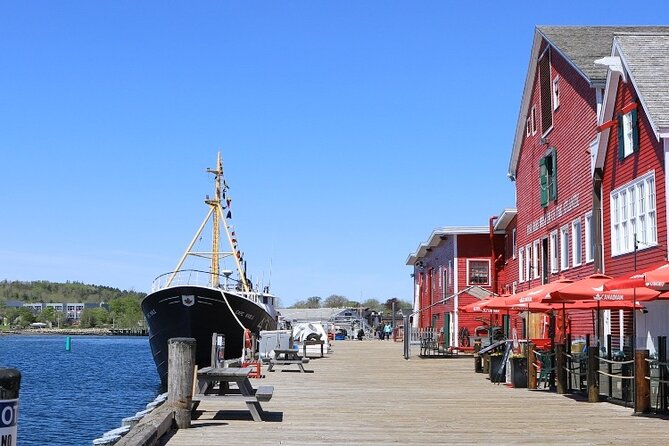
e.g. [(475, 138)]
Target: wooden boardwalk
[(365, 393)]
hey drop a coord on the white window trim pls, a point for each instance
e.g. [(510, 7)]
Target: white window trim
[(564, 248), (513, 242), (554, 242), (643, 223), (628, 132), (589, 237), (528, 127), (535, 259), (528, 262), (533, 117), (489, 272), (576, 243), (555, 91), (521, 265)]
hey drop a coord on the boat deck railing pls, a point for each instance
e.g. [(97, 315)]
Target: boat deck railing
[(194, 277)]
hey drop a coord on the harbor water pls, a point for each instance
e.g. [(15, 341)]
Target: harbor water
[(72, 397)]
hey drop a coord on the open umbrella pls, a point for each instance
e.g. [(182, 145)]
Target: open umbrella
[(537, 294), (659, 274), (479, 307), (592, 288)]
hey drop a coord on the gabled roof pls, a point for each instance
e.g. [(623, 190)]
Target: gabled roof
[(580, 46), (437, 236), (646, 57)]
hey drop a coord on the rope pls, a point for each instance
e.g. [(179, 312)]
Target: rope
[(231, 311), (614, 375), (611, 361)]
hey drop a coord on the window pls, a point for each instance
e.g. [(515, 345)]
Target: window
[(556, 92), (554, 251), (589, 238), (564, 247), (546, 93), (533, 119), (521, 265), (535, 259), (628, 132), (548, 177), (528, 127), (633, 215), (513, 242), (528, 262), (576, 255), (478, 272)]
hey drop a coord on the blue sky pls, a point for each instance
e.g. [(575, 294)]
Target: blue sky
[(349, 131)]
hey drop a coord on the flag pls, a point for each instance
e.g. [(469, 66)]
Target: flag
[(229, 214)]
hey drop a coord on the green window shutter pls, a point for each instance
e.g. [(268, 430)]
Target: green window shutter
[(543, 181), (621, 138), (553, 184), (635, 130)]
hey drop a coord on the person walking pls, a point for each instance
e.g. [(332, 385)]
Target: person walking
[(386, 331)]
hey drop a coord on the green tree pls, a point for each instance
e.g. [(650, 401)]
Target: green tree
[(372, 304), (21, 317), (335, 301), (94, 317), (126, 312)]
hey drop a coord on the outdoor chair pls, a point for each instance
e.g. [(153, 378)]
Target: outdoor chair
[(544, 367)]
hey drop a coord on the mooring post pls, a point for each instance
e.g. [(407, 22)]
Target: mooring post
[(531, 369), (478, 366), (180, 370), (560, 368), (641, 384), (10, 382), (592, 369)]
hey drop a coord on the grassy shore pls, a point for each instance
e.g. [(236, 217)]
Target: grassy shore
[(57, 331)]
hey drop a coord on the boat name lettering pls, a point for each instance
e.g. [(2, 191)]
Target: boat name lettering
[(151, 313)]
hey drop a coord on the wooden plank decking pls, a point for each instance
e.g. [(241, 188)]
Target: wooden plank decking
[(365, 393)]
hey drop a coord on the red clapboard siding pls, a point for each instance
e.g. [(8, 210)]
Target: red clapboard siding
[(574, 128), (620, 172)]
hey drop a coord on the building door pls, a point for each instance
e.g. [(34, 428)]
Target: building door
[(544, 260), (447, 330)]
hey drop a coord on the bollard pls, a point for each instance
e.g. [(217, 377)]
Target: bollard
[(641, 384), (531, 369), (478, 367), (560, 369), (592, 375), (68, 343), (10, 382), (180, 370)]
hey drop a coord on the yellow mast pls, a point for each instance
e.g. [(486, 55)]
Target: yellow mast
[(215, 211)]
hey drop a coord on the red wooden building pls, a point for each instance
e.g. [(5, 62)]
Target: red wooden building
[(631, 161), (455, 267)]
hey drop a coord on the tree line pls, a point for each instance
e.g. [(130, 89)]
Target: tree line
[(122, 308), (337, 301)]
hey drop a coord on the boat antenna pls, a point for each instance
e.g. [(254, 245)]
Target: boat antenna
[(215, 211)]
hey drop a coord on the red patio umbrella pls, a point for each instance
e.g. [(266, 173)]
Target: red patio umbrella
[(592, 288), (603, 305), (479, 307), (537, 294), (638, 278)]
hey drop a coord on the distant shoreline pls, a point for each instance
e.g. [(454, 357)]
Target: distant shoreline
[(59, 331)]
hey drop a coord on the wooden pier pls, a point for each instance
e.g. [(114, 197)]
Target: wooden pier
[(365, 393)]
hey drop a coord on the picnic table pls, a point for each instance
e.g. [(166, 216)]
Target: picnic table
[(213, 383), (311, 342), (287, 357)]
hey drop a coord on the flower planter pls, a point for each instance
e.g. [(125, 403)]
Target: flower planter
[(495, 364), (519, 372)]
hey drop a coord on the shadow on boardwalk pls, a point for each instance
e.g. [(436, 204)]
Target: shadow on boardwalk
[(365, 393)]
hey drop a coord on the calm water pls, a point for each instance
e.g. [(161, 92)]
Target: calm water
[(71, 398)]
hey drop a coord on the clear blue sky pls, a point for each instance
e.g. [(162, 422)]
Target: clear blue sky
[(349, 131)]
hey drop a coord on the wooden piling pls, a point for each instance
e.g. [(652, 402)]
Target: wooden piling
[(592, 381), (181, 363), (531, 369), (560, 369), (641, 384)]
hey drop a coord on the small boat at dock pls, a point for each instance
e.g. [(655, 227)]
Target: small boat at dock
[(195, 303)]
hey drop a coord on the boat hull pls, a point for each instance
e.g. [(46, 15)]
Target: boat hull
[(197, 312)]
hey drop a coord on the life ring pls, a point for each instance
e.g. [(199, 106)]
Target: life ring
[(247, 338)]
